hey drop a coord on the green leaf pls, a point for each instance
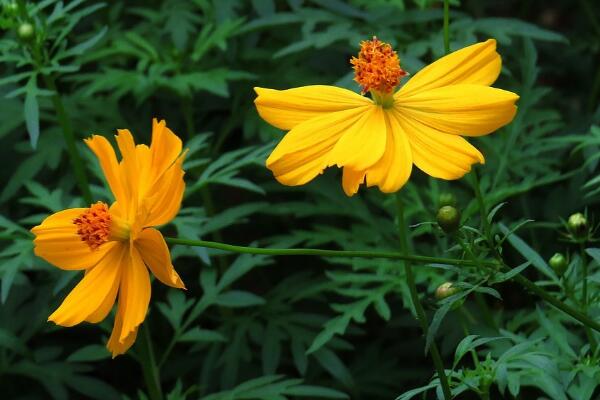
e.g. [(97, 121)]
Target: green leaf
[(529, 254), (202, 335), (239, 298), (92, 352), (32, 112)]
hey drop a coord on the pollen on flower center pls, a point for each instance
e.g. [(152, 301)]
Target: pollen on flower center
[(93, 225), (377, 67)]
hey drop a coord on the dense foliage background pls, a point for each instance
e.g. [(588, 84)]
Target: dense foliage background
[(257, 327)]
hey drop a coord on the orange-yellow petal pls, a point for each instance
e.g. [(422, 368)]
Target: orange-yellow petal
[(134, 293), (115, 345), (155, 253), (108, 162), (477, 64), (89, 297), (351, 180), (130, 169), (303, 153), (165, 148), (470, 110), (163, 200), (439, 154), (56, 241), (363, 144), (286, 109), (392, 171)]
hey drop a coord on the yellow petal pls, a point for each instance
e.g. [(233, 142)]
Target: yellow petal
[(129, 168), (363, 144), (351, 180), (89, 297), (163, 199), (165, 148), (470, 110), (439, 154), (477, 64), (392, 171), (56, 241), (134, 293), (114, 345), (108, 162), (155, 253), (303, 152), (285, 109)]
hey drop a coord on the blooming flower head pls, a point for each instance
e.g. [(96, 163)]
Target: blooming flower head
[(378, 139), (116, 245)]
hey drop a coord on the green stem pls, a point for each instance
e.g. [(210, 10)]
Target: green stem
[(323, 253), (584, 268), (67, 129), (148, 363), (584, 297), (520, 279), (582, 318), (578, 315), (446, 26), (421, 316), (487, 229)]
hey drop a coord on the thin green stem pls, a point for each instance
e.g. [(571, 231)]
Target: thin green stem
[(149, 368), (69, 137), (321, 252), (578, 315), (446, 26), (487, 229), (520, 279), (478, 298), (584, 297), (584, 269), (421, 316), (582, 318)]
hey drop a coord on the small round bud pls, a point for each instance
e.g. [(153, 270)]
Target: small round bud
[(447, 199), (448, 218), (11, 8), (445, 290), (25, 31), (578, 225), (559, 263)]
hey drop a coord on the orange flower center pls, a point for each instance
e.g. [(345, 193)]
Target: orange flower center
[(96, 226), (377, 68), (93, 225)]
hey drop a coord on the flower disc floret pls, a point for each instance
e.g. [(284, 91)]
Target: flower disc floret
[(93, 225), (377, 67)]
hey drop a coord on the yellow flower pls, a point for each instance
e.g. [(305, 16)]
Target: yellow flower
[(379, 138), (116, 245)]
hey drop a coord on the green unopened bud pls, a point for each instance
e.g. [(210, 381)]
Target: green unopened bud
[(445, 290), (25, 31), (448, 218), (578, 225), (559, 263), (447, 199), (11, 8)]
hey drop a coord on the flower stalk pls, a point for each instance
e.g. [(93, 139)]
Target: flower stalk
[(521, 280), (421, 316)]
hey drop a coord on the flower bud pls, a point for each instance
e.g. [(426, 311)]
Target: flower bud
[(11, 8), (25, 31), (445, 290), (447, 199), (578, 225), (448, 218), (559, 263)]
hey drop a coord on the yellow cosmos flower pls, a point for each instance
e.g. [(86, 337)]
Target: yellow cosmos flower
[(378, 139), (116, 246)]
